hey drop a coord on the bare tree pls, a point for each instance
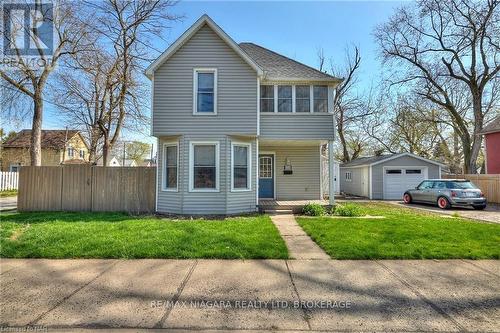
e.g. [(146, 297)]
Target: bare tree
[(30, 81), (439, 47)]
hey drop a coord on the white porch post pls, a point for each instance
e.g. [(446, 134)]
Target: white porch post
[(331, 173)]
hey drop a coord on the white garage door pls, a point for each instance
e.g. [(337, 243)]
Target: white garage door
[(398, 180)]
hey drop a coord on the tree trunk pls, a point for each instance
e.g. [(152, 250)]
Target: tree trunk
[(36, 131), (105, 152), (477, 139)]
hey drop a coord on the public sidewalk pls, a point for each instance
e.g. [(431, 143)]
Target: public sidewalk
[(412, 295)]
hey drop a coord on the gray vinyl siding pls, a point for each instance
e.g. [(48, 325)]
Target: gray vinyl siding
[(297, 126), (355, 186), (404, 161), (200, 203), (173, 90), (305, 182)]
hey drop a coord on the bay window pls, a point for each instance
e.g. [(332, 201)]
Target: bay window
[(204, 166), (170, 161), (240, 166)]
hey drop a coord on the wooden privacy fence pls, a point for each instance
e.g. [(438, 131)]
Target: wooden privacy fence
[(87, 188), (8, 180), (489, 184)]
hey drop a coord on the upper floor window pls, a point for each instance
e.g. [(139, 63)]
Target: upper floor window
[(320, 98), (284, 98), (266, 98), (302, 99), (82, 153), (205, 91), (204, 166), (71, 151)]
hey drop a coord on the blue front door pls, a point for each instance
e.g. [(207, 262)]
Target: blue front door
[(266, 176)]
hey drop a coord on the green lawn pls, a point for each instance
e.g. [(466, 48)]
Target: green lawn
[(8, 193), (114, 235), (403, 234)]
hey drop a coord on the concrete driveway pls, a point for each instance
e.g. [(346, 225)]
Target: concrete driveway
[(490, 214), (294, 295)]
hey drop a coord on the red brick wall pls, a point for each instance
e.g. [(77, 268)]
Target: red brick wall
[(493, 153)]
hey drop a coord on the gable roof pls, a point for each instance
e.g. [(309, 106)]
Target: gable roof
[(279, 67), (205, 19), (53, 139), (374, 160), (492, 127)]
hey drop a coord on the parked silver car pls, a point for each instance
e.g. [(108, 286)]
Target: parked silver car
[(446, 193)]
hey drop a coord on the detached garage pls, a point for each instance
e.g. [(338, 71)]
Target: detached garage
[(386, 176)]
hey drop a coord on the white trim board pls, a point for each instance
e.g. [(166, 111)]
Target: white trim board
[(163, 166), (191, 166), (204, 19), (249, 166)]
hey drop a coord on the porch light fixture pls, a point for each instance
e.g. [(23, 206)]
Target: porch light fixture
[(287, 168)]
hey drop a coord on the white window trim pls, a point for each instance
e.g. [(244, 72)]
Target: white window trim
[(191, 166), (348, 176), (195, 91), (249, 166), (164, 188)]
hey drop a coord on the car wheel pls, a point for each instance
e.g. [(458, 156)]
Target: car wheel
[(443, 203), (479, 207), (407, 198)]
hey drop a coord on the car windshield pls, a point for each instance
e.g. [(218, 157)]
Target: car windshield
[(460, 185)]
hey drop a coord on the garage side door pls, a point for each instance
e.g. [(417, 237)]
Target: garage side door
[(398, 180)]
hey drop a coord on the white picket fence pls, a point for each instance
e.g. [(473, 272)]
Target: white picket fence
[(9, 180)]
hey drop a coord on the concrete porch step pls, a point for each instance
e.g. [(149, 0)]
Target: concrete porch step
[(277, 211)]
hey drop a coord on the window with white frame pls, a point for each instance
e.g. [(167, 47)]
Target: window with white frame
[(204, 165), (170, 162), (320, 98), (71, 151), (240, 166), (284, 98), (82, 153), (302, 99), (348, 176), (205, 91), (266, 98)]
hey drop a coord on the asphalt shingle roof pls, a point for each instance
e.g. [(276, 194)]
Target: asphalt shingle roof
[(366, 160), (54, 139), (493, 126), (278, 66)]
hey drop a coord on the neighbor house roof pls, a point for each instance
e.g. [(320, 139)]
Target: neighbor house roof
[(492, 127), (373, 160), (55, 139), (279, 67)]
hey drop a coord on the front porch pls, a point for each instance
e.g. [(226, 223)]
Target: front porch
[(267, 205)]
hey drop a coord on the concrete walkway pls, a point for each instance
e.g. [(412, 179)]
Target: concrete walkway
[(299, 244), (277, 295)]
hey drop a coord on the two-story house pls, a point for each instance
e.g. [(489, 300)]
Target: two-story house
[(58, 147), (236, 123)]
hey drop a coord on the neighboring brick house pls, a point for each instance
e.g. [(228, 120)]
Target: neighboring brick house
[(491, 134), (58, 147)]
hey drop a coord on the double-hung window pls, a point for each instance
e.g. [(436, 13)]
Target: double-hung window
[(204, 166), (71, 152), (82, 153), (284, 98), (320, 98), (171, 162), (302, 99), (266, 98), (205, 91), (240, 166)]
